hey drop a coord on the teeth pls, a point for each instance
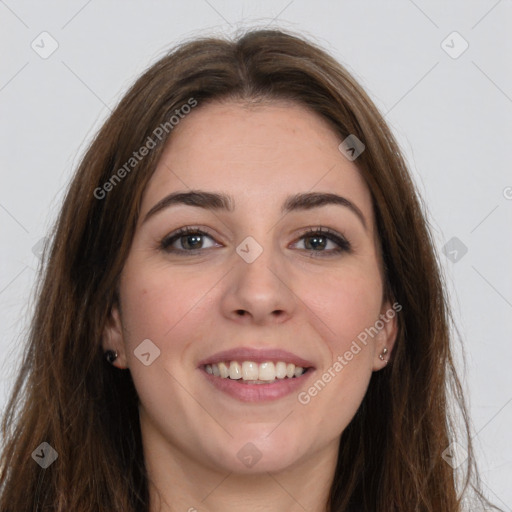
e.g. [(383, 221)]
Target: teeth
[(254, 373), (249, 370), (224, 370), (267, 371), (280, 370), (235, 371)]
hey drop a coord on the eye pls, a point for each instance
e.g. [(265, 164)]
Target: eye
[(189, 238), (318, 239)]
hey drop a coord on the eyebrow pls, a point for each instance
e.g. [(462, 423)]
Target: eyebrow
[(218, 202)]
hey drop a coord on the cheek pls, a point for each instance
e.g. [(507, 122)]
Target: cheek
[(344, 305), (163, 306)]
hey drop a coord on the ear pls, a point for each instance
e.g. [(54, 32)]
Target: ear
[(386, 337), (112, 338)]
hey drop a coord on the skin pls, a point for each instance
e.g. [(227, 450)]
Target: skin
[(187, 306)]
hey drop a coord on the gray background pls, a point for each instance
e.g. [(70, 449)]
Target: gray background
[(451, 116)]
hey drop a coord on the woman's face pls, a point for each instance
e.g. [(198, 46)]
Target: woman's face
[(254, 294)]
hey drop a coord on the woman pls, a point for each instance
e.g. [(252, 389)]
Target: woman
[(241, 307)]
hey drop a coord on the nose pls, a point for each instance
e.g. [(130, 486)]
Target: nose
[(260, 292)]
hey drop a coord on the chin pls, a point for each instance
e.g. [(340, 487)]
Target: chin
[(262, 453)]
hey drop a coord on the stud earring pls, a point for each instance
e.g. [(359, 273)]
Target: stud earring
[(381, 356), (110, 356)]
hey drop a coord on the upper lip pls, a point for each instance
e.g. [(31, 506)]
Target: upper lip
[(256, 355)]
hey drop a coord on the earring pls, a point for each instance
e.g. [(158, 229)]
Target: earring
[(381, 356), (110, 356)]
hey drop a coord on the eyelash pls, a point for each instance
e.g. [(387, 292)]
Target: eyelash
[(343, 244)]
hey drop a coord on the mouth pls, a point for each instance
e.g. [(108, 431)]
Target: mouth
[(250, 375), (251, 372)]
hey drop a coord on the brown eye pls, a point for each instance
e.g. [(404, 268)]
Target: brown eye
[(185, 240), (318, 241)]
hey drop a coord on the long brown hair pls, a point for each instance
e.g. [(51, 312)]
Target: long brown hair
[(66, 394)]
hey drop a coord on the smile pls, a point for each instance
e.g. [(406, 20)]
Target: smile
[(251, 372), (256, 375)]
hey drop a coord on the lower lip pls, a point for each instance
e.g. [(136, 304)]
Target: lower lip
[(258, 392)]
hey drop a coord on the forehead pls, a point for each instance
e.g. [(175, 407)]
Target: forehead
[(258, 153)]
